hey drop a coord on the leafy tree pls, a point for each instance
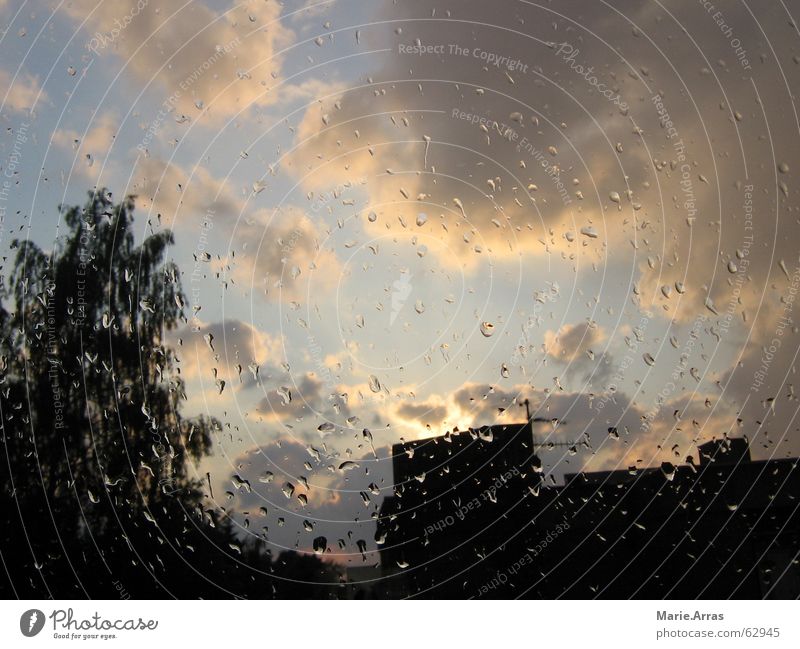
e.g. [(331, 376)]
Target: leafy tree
[(95, 464)]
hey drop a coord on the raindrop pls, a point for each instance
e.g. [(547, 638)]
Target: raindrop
[(320, 545), (240, 484), (285, 394)]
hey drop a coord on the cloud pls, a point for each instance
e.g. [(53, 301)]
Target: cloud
[(98, 140), (337, 503), (571, 342), (279, 254), (21, 92), (381, 149), (305, 399), (497, 173), (184, 197), (609, 430), (425, 413), (92, 151), (191, 51), (677, 216), (282, 256), (236, 346)]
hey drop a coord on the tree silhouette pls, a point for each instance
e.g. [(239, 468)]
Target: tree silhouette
[(96, 467)]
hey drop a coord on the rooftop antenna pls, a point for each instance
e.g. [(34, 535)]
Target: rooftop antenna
[(551, 444), (527, 404), (540, 420)]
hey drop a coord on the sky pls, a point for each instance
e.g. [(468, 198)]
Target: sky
[(408, 217)]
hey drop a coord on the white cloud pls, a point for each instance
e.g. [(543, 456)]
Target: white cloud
[(21, 92)]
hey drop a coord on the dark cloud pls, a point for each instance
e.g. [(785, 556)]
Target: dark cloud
[(422, 412), (228, 350), (571, 342), (340, 501), (308, 399)]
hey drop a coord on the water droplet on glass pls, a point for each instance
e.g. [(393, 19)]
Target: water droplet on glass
[(285, 394), (320, 545)]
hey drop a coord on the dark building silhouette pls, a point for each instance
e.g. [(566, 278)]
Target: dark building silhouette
[(448, 489), (724, 451), (472, 517)]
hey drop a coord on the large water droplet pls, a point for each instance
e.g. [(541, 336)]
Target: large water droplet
[(374, 383)]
